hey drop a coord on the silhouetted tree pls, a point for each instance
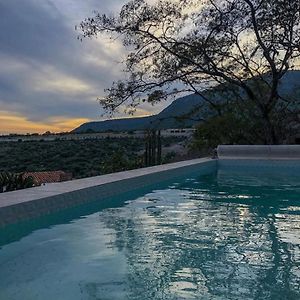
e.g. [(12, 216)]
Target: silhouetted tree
[(190, 45)]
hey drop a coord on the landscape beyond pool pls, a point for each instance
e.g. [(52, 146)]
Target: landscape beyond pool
[(230, 234)]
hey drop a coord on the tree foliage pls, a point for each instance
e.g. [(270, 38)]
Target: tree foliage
[(224, 129), (177, 46), (13, 181)]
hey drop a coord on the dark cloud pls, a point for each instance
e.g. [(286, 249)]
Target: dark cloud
[(30, 32), (46, 71)]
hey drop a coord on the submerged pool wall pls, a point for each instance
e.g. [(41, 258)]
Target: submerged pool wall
[(260, 158), (259, 152), (34, 202)]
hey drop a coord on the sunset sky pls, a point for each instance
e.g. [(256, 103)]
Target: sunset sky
[(48, 79)]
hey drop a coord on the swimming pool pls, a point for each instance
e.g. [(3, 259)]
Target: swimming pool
[(232, 233)]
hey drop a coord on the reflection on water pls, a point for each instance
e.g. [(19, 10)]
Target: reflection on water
[(214, 237)]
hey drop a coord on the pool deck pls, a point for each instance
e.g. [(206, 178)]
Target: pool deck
[(60, 188)]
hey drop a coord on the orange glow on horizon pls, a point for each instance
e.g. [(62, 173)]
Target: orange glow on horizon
[(10, 123)]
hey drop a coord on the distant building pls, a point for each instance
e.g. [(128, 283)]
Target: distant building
[(48, 176), (178, 132)]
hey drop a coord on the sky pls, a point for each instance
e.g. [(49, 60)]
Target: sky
[(49, 80)]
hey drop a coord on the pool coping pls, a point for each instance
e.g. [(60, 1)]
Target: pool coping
[(13, 198)]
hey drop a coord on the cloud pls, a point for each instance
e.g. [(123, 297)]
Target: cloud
[(56, 82), (45, 71)]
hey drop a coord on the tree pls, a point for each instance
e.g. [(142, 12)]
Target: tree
[(180, 46), (224, 129), (120, 161)]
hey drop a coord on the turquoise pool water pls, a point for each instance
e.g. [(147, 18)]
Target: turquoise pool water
[(226, 235)]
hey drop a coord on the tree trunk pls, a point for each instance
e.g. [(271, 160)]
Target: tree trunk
[(270, 132)]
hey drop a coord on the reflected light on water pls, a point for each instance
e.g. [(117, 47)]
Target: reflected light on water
[(212, 237)]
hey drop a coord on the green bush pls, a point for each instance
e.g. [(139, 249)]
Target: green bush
[(12, 182)]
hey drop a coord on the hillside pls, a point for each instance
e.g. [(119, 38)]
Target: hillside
[(167, 118), (126, 124), (170, 117)]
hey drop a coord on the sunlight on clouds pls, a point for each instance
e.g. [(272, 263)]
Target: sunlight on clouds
[(67, 123), (94, 60), (9, 65), (63, 85), (44, 78), (53, 81), (112, 49), (13, 123), (110, 60), (140, 112)]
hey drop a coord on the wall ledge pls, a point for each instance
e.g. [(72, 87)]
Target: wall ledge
[(271, 152)]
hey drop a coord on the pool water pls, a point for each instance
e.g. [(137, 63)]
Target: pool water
[(220, 236)]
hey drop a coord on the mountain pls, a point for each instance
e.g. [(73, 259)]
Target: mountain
[(171, 116), (167, 118), (126, 124)]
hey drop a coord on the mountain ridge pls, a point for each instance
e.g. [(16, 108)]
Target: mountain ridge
[(170, 117)]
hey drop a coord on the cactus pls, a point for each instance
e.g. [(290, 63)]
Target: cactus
[(152, 148)]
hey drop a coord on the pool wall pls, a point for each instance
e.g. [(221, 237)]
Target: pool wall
[(291, 167), (259, 152), (34, 202), (257, 159)]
